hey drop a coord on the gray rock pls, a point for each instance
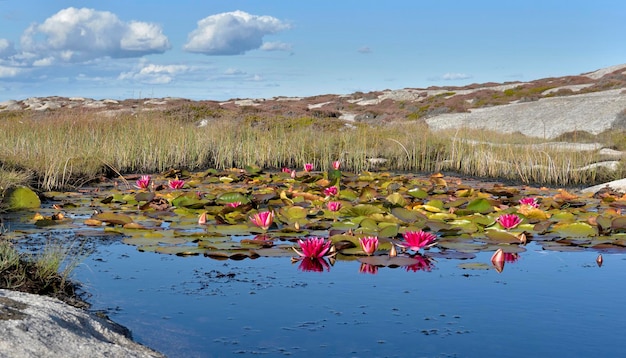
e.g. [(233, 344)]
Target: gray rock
[(617, 185), (40, 326), (546, 118)]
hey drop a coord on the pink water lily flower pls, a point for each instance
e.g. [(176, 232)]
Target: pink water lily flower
[(234, 204), (331, 191), (176, 184), (143, 182), (416, 240), (286, 170), (313, 247), (308, 167), (333, 205), (336, 165), (509, 221), (530, 201), (263, 219), (369, 244)]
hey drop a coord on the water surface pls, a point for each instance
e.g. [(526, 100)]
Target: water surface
[(546, 304)]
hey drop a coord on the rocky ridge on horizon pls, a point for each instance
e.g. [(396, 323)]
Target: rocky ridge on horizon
[(592, 102)]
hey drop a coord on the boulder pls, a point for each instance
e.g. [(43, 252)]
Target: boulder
[(20, 198), (616, 185), (41, 326)]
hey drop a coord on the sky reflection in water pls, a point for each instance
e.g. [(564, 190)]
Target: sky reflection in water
[(545, 303)]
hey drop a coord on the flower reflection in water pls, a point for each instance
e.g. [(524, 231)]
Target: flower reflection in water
[(422, 263), (368, 268), (500, 257), (313, 264)]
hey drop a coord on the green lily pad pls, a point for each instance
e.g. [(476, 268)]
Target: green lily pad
[(474, 266), (482, 206), (406, 215), (418, 193), (502, 237), (576, 229), (231, 197), (113, 218), (364, 210), (388, 229), (619, 224), (396, 199), (385, 260), (240, 229)]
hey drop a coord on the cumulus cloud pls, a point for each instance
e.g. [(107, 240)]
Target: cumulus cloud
[(275, 46), (6, 48), (75, 35), (154, 74), (234, 71), (7, 72), (455, 76), (232, 33)]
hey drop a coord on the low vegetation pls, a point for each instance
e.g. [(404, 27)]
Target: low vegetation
[(45, 273), (65, 149)]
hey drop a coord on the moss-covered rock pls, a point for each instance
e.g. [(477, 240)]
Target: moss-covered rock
[(20, 198)]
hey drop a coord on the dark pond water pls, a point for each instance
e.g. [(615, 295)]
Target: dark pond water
[(545, 304)]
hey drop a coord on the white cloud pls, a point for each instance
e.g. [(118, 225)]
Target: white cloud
[(75, 35), (275, 46), (234, 71), (6, 72), (455, 76), (48, 61), (232, 33), (154, 74), (6, 48), (364, 49)]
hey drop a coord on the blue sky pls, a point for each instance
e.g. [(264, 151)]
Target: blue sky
[(222, 49)]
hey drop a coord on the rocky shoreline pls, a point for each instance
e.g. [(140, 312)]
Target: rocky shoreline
[(41, 326)]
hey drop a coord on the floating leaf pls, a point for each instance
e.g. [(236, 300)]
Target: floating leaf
[(396, 199), (482, 206), (231, 229), (293, 213), (232, 197), (619, 224), (364, 210), (502, 236), (144, 196), (406, 215), (113, 218), (385, 260), (388, 230), (180, 250), (474, 266), (577, 229), (418, 193), (189, 200)]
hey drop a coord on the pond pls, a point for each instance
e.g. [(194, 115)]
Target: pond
[(546, 304), (190, 288)]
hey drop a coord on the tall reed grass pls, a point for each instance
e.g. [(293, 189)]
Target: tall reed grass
[(66, 149)]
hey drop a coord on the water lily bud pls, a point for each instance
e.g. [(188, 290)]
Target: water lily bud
[(392, 251), (599, 260)]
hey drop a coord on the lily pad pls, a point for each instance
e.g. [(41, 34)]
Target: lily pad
[(576, 229), (113, 218), (482, 206)]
